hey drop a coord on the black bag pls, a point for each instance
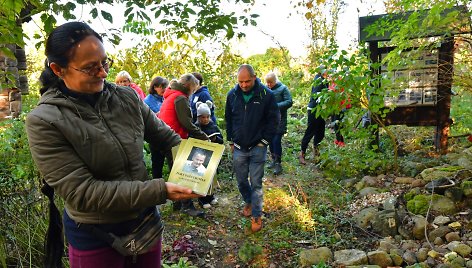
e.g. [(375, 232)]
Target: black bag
[(139, 241)]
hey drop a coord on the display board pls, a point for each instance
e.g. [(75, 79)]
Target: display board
[(414, 84)]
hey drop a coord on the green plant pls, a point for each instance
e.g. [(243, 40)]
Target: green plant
[(321, 264), (181, 264), (249, 251)]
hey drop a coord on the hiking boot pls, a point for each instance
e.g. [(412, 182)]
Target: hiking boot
[(247, 210), (256, 224), (193, 212), (277, 168), (271, 165), (189, 209), (176, 205), (301, 159)]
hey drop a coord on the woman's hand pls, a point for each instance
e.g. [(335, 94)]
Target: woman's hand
[(177, 192)]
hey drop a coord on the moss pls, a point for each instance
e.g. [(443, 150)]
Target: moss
[(450, 168), (420, 203), (466, 184), (410, 195)]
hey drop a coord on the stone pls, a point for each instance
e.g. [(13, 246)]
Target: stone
[(348, 183), (422, 254), (387, 244), (418, 230), (418, 183), (370, 181), (438, 241), (462, 249), (464, 162), (444, 205), (404, 180), (363, 266), (410, 245), (452, 236), (433, 254), (311, 257), (368, 191), (467, 188), (430, 262), (441, 220), (454, 193), (468, 264), (390, 203), (463, 174), (435, 173), (385, 223), (418, 265), (409, 257), (380, 258), (396, 259), (458, 262), (441, 231), (363, 218), (452, 244), (350, 257), (455, 225), (450, 256)]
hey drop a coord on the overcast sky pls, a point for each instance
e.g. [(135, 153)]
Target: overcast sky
[(277, 18)]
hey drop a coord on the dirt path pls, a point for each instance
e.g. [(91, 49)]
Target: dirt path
[(214, 241)]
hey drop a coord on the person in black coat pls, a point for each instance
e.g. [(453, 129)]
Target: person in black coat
[(316, 124)]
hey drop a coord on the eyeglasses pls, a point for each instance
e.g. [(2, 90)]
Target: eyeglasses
[(93, 71)]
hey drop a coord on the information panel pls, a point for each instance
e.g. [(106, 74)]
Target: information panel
[(415, 84)]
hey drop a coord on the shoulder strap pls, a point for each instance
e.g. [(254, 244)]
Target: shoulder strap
[(54, 240)]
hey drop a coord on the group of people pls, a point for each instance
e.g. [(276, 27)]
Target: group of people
[(87, 135)]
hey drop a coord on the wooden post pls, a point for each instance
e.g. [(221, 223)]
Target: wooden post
[(445, 73)]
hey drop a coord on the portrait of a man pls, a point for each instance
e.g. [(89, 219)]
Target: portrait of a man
[(195, 165)]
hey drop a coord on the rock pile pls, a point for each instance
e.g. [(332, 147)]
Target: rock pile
[(425, 220)]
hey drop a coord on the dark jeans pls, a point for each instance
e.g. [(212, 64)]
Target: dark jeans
[(315, 130), (276, 148)]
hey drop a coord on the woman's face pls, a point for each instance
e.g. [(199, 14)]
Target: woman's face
[(122, 81), (87, 68), (159, 90)]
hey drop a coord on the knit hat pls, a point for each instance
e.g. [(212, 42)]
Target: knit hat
[(203, 108)]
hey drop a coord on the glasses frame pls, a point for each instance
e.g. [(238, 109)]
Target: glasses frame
[(93, 71)]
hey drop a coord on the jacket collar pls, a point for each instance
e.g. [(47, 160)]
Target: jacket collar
[(258, 87), (201, 89)]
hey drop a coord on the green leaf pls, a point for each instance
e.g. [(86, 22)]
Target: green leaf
[(94, 13), (127, 11), (107, 16)]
